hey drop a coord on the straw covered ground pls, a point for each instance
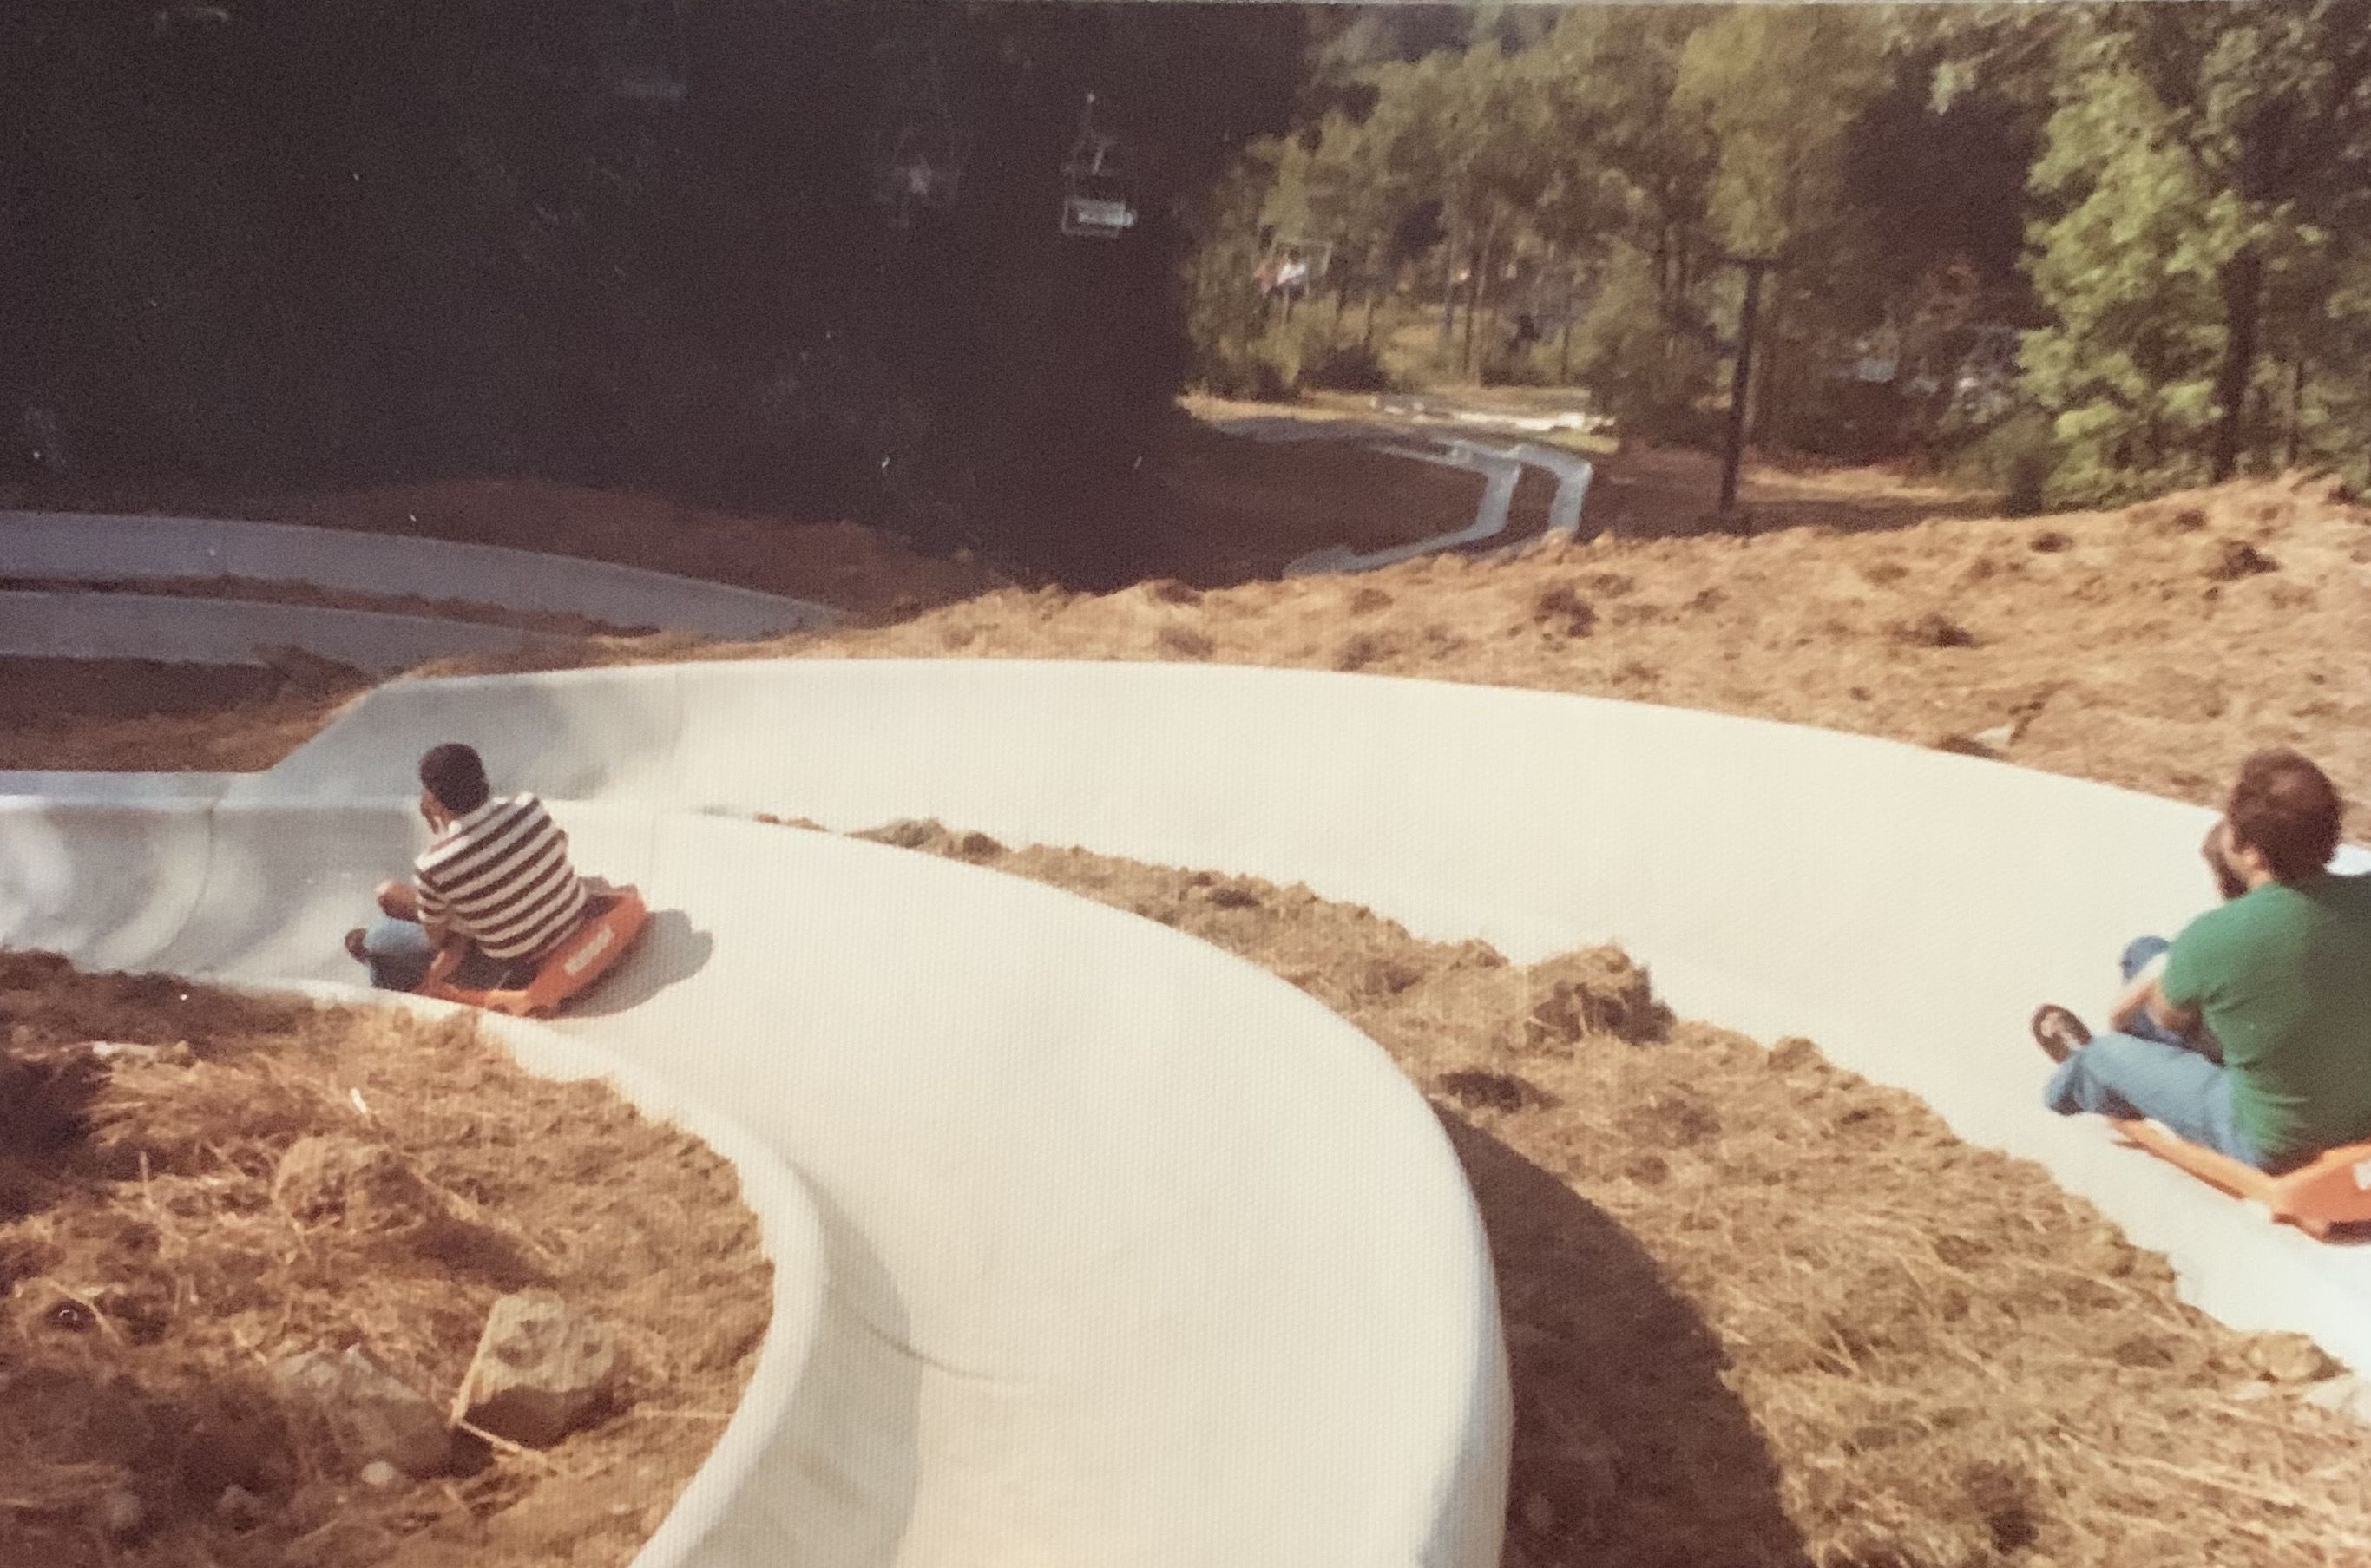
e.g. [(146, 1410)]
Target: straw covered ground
[(261, 1177), (1762, 1312)]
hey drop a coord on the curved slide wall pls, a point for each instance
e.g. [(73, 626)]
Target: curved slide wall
[(94, 547), (1131, 1253), (1903, 907), (232, 631)]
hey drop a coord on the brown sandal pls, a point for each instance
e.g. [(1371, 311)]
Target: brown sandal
[(2058, 1031)]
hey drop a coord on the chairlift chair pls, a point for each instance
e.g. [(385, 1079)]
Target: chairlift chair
[(1096, 200)]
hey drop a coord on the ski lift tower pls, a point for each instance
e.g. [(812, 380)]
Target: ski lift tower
[(1741, 378)]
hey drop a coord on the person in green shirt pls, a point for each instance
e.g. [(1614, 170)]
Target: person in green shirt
[(2249, 1032)]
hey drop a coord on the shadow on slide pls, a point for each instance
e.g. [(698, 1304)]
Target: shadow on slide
[(672, 950), (1622, 1422)]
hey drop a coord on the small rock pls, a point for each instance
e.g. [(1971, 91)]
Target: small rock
[(121, 1513), (1934, 629), (2000, 737), (371, 1415), (243, 1510), (377, 1473), (2227, 560), (542, 1370), (2289, 1358), (1234, 898)]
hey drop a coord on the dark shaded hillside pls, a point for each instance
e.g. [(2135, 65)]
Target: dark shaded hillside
[(274, 242)]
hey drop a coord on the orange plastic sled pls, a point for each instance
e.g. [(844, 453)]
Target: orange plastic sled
[(607, 933), (2334, 1190)]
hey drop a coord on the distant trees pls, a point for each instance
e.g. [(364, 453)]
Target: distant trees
[(2168, 204), (2207, 201)]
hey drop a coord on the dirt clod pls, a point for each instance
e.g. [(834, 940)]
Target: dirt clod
[(1933, 628), (1563, 611), (2227, 560)]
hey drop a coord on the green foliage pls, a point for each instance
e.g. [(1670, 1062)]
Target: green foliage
[(1778, 93), (1346, 365), (2170, 203), (2018, 458), (2204, 193), (2128, 269)]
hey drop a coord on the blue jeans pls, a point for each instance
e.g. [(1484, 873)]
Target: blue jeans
[(400, 951), (2150, 1072)]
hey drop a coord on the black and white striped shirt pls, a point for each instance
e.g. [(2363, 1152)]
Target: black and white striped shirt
[(500, 876)]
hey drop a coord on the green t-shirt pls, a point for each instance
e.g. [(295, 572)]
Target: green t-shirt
[(2282, 977)]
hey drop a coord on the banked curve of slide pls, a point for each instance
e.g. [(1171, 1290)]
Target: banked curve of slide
[(1130, 1252)]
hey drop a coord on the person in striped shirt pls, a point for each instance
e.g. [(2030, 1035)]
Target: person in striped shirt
[(495, 875)]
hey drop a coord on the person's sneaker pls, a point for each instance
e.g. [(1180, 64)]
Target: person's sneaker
[(2058, 1031), (355, 948)]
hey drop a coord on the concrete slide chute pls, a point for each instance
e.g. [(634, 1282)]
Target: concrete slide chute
[(50, 625), (1129, 1250), (1903, 907), (79, 547)]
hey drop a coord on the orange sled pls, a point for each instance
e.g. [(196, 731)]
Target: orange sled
[(2334, 1190), (611, 925)]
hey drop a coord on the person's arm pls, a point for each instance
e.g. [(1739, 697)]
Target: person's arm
[(2145, 994), (435, 915)]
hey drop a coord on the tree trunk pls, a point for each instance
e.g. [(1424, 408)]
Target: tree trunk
[(1473, 305), (2243, 287), (1564, 348), (1482, 301), (1448, 296), (1741, 387), (2297, 412), (1773, 314)]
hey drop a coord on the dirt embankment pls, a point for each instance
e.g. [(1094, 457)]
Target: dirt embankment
[(1763, 1312), (268, 1178), (2152, 647)]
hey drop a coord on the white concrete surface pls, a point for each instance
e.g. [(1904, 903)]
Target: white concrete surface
[(1572, 473), (86, 624), (93, 547), (1133, 1252), (1905, 907)]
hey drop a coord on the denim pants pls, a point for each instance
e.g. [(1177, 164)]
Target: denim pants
[(400, 951), (2149, 1072)]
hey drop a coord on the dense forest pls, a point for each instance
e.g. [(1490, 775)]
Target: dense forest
[(2085, 250), (819, 257), (802, 255)]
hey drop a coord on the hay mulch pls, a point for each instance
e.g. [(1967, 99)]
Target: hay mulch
[(268, 1178), (141, 713), (1763, 1312)]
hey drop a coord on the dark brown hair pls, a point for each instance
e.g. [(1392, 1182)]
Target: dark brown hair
[(456, 775), (2287, 810)]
